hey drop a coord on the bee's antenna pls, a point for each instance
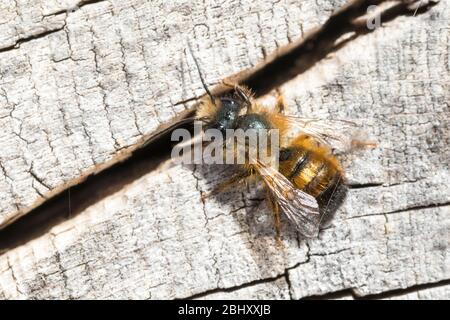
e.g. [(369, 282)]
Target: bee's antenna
[(200, 74)]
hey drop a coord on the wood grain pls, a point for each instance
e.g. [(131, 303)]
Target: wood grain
[(78, 99), (78, 94)]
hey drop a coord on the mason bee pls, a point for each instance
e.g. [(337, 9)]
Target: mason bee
[(309, 181)]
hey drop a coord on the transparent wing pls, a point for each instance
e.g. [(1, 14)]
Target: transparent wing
[(341, 135), (299, 207)]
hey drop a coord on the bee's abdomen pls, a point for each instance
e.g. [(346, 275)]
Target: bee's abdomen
[(316, 172), (310, 171)]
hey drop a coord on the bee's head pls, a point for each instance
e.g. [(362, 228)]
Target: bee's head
[(252, 121), (227, 114)]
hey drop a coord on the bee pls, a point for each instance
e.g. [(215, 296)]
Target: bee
[(309, 182)]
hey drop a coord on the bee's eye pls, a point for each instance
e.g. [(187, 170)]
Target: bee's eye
[(227, 114), (230, 104)]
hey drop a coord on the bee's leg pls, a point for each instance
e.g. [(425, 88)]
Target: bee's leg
[(256, 203), (243, 93), (230, 84), (357, 144), (280, 104), (363, 144), (276, 215), (225, 185)]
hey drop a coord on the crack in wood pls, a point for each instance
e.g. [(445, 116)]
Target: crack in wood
[(17, 44), (287, 63), (46, 33), (95, 187), (363, 185), (414, 208), (302, 55), (234, 288), (328, 296), (79, 5), (285, 275), (383, 295)]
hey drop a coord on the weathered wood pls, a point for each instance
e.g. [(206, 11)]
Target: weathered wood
[(156, 238), (436, 293), (78, 97), (274, 289)]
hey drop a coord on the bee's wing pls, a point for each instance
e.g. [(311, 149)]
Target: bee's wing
[(300, 208), (341, 135)]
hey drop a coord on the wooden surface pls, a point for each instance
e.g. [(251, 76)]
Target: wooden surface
[(80, 89)]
